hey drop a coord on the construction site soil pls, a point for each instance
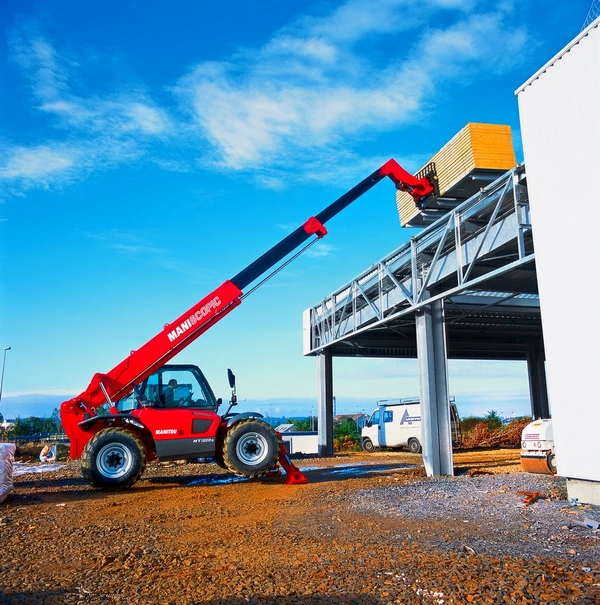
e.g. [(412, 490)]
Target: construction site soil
[(365, 529)]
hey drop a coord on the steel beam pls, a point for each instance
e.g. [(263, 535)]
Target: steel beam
[(325, 402), (538, 389), (433, 379)]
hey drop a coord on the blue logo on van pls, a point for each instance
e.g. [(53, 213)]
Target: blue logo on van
[(406, 419)]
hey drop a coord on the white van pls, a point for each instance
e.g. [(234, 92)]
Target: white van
[(397, 423)]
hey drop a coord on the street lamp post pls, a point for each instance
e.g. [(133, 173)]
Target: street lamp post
[(3, 364)]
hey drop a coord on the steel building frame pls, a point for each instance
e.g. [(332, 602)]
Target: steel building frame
[(472, 273)]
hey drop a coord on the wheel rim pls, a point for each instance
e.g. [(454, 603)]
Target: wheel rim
[(252, 449), (114, 460)]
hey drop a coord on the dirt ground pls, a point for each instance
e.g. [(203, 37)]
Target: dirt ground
[(191, 534)]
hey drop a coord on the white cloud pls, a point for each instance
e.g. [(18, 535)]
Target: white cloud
[(311, 48), (38, 58), (306, 97), (271, 182), (311, 90), (147, 119), (36, 163), (356, 19), (320, 250), (94, 131), (53, 80)]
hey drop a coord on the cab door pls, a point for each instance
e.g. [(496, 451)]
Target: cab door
[(186, 429), (388, 430), (372, 428), (181, 433)]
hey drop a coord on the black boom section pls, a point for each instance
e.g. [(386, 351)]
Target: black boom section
[(345, 200), (270, 258), (300, 235)]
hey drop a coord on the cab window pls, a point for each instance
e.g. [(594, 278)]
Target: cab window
[(127, 404), (176, 388), (375, 417)]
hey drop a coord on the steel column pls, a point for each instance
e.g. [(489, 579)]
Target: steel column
[(538, 390), (325, 402), (433, 378)]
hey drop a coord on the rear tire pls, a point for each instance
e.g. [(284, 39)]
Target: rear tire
[(113, 459), (367, 445), (414, 447), (250, 448)]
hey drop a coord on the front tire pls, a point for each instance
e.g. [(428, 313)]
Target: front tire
[(367, 445), (414, 447), (250, 448), (113, 459)]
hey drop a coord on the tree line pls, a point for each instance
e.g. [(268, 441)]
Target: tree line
[(23, 427)]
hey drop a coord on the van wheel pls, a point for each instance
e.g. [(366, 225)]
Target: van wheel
[(414, 447), (367, 445)]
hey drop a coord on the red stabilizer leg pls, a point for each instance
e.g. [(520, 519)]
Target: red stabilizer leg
[(294, 476)]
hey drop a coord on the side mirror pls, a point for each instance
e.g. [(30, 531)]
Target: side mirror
[(231, 377), (368, 423), (219, 401), (233, 400)]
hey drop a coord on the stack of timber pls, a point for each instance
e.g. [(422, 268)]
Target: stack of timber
[(472, 159)]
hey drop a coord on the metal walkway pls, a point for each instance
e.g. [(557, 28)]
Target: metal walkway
[(479, 259)]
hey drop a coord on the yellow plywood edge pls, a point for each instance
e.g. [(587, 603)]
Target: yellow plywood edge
[(477, 146), (492, 146)]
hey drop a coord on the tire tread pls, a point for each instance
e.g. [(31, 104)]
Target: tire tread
[(88, 471), (230, 463)]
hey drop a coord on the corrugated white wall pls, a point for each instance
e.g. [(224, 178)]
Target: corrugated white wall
[(560, 122)]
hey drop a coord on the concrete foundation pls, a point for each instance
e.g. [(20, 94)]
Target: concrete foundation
[(586, 492)]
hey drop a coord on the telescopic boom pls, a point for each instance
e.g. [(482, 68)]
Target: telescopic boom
[(174, 337)]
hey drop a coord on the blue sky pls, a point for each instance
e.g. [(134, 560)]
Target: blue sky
[(147, 155)]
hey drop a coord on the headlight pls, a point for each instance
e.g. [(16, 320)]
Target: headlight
[(524, 445)]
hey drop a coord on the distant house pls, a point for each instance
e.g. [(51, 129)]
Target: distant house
[(360, 419), (286, 428)]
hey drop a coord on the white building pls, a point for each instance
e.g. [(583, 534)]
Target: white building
[(560, 121)]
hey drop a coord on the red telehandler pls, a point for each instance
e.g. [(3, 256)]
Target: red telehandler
[(145, 409)]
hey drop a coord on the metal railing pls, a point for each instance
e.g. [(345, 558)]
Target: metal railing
[(453, 255)]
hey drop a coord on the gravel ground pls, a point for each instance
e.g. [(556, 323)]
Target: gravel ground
[(490, 504), (365, 530)]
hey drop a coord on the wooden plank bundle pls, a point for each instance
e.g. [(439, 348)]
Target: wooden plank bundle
[(475, 156)]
